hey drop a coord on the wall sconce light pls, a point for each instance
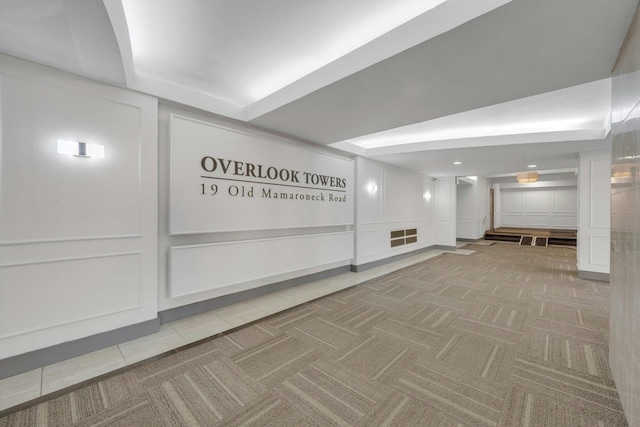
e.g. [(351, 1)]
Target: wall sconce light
[(372, 188), (527, 177), (80, 149), (427, 196)]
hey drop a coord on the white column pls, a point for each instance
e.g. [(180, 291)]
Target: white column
[(594, 205), (445, 211)]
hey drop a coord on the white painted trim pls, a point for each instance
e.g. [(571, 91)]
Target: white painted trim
[(118, 19), (69, 239), (235, 286), (48, 261)]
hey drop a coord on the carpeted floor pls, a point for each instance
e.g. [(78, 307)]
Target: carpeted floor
[(507, 336)]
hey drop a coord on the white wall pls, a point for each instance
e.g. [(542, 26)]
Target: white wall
[(234, 243), (472, 208), (552, 202), (78, 236), (398, 203), (497, 208), (540, 208), (445, 211), (465, 211), (594, 186)]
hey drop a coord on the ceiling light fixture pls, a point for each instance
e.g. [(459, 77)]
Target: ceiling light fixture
[(457, 163), (527, 177), (532, 166)]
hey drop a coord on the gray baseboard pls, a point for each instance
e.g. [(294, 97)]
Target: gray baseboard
[(378, 263), (204, 306), (46, 356), (592, 275)]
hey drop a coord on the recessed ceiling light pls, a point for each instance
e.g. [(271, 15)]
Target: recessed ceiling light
[(457, 163), (532, 166)]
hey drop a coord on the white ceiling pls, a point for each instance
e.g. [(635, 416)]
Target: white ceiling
[(496, 84)]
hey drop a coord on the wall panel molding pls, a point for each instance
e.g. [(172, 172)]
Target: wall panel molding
[(76, 192), (70, 298), (539, 207), (399, 203), (78, 236), (219, 176), (218, 268)]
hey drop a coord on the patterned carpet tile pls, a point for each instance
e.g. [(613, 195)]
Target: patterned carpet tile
[(415, 336), (567, 385), (329, 394), (377, 358), (517, 303), (223, 385), (526, 408), (270, 411), (458, 399), (594, 335), (442, 301), (426, 278), (493, 333), (573, 353), (274, 360), (496, 314), (210, 393), (401, 410), (417, 269), (157, 371), (64, 411), (575, 297), (423, 284), (511, 290), (136, 412), (470, 357), (431, 316), (444, 266), (121, 392), (384, 302), (358, 317), (401, 292), (460, 293), (572, 314), (476, 280), (324, 334)]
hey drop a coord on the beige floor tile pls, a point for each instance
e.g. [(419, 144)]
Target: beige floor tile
[(164, 340), (20, 388), (300, 297), (239, 314), (272, 303), (81, 368), (461, 252), (310, 291), (200, 326), (343, 284)]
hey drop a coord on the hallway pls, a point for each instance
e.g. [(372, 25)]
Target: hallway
[(507, 336)]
